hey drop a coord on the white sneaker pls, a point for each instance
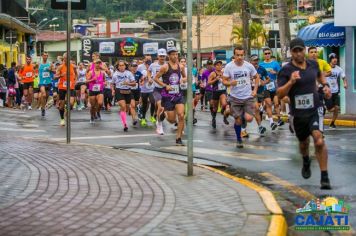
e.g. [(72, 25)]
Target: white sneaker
[(159, 129), (29, 107)]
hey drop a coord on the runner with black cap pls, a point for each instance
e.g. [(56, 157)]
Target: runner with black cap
[(337, 73), (297, 80), (172, 97), (219, 93)]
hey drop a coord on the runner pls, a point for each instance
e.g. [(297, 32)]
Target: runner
[(208, 89), (81, 87), (152, 72), (238, 74), (27, 75), (297, 80), (124, 80), (337, 73), (219, 93), (36, 88), (108, 94), (324, 67), (136, 90), (272, 68), (147, 87), (142, 66), (261, 95), (62, 86), (172, 97), (46, 70), (96, 82)]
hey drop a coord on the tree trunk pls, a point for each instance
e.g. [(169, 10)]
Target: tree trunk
[(245, 28), (284, 30)]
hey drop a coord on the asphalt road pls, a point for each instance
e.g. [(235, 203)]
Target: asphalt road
[(272, 160)]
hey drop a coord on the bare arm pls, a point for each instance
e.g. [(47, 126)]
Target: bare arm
[(227, 81), (212, 78), (257, 82), (284, 90), (161, 72)]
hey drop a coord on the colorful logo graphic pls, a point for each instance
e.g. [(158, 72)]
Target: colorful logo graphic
[(128, 47), (327, 214)]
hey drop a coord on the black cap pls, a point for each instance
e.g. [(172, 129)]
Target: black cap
[(332, 55), (297, 43), (209, 62), (254, 57)]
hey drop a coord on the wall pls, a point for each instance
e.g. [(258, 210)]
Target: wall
[(350, 49), (55, 49)]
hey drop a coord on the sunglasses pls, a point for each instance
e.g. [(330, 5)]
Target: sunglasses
[(267, 53)]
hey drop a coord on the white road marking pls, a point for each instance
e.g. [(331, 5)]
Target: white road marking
[(110, 136), (245, 156)]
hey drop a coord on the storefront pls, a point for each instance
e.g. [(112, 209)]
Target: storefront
[(332, 39)]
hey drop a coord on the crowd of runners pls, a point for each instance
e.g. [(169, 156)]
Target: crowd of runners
[(242, 89)]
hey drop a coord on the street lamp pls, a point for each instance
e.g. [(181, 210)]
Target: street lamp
[(47, 21), (165, 31), (54, 28), (272, 17)]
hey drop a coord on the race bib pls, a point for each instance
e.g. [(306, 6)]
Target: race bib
[(96, 87), (45, 74), (270, 86), (242, 82), (107, 85), (184, 86), (175, 89), (81, 79), (333, 85), (221, 86), (28, 74), (305, 101), (150, 86), (65, 84)]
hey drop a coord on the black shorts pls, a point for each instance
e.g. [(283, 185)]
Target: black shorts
[(209, 95), (95, 93), (333, 101), (136, 94), (169, 104), (119, 96), (62, 94), (46, 86), (27, 85), (55, 89), (217, 94), (108, 93), (269, 94), (79, 85), (36, 90), (262, 96), (304, 126)]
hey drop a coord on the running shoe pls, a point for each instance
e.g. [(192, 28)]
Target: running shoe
[(143, 122), (75, 105), (325, 184), (332, 126), (62, 123), (159, 128), (126, 129), (261, 130), (153, 120), (280, 122), (92, 120), (195, 121), (98, 116), (213, 123), (226, 122), (239, 144), (244, 134), (306, 172), (179, 142), (274, 126), (29, 107), (43, 112), (134, 122)]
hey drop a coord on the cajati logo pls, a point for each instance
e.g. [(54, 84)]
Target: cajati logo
[(128, 47), (326, 214)]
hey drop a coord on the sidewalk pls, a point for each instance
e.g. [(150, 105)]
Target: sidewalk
[(56, 189), (342, 120)]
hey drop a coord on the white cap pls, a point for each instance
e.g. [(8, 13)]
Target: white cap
[(162, 52)]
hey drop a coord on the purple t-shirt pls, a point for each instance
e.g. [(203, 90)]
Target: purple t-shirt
[(205, 78)]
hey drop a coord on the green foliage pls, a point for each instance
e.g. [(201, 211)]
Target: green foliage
[(257, 35)]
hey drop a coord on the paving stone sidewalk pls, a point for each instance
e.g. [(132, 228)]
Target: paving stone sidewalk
[(56, 189)]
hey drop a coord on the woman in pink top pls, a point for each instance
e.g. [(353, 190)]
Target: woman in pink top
[(96, 81)]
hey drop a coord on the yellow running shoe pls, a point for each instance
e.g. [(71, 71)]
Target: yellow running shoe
[(244, 134)]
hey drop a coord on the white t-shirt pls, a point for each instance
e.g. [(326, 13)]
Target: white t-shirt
[(154, 69), (141, 67), (146, 88), (119, 77), (243, 74), (337, 73)]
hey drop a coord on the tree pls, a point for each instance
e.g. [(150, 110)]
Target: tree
[(257, 35)]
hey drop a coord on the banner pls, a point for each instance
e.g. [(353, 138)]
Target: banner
[(123, 47)]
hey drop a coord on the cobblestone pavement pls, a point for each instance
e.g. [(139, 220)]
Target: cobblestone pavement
[(56, 189)]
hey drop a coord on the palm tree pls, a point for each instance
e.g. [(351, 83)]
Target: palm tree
[(257, 35), (236, 35)]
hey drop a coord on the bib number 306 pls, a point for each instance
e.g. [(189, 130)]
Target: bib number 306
[(305, 101)]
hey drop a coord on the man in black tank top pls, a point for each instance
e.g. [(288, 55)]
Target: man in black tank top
[(172, 96)]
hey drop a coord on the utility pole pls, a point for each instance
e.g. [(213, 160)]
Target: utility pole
[(198, 36), (245, 28), (284, 30)]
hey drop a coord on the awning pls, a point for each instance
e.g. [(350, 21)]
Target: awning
[(13, 23), (323, 35)]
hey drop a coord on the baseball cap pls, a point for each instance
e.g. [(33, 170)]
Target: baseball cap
[(297, 43), (332, 55), (209, 62), (172, 49), (134, 64), (217, 62), (162, 52), (254, 57)]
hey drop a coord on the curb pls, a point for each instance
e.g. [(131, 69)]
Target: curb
[(347, 123), (278, 225)]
